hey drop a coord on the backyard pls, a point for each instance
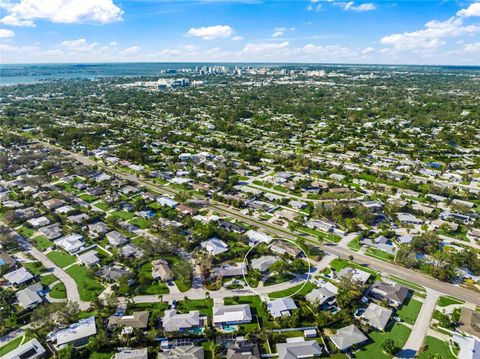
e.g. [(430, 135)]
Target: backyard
[(87, 286), (409, 310), (398, 333), (61, 259)]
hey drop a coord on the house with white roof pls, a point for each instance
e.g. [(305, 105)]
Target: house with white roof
[(167, 201), (377, 316), (116, 239), (231, 314), (326, 293), (469, 346), (28, 298), (76, 334), (347, 337), (299, 349), (39, 222), (29, 350), (72, 243), (214, 246), (356, 274), (257, 236), (264, 263)]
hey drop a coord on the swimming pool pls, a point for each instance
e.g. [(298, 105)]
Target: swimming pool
[(230, 328)]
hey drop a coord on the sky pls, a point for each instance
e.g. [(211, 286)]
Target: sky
[(432, 32)]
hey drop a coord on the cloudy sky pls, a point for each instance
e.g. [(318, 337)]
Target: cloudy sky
[(328, 31)]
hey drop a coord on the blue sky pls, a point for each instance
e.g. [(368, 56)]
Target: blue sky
[(325, 31)]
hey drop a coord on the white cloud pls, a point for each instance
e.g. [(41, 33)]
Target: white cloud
[(264, 46), (472, 10), (6, 33), (132, 50), (350, 6), (237, 38), (431, 36), (79, 45), (367, 50), (314, 7), (211, 32), (26, 12), (277, 33), (473, 47)]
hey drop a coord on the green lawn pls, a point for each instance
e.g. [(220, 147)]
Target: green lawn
[(88, 197), (276, 279), (48, 279), (141, 223), (42, 243), (409, 310), (98, 355), (123, 215), (376, 253), (87, 286), (445, 301), (58, 291), (183, 285), (36, 268), (399, 333), (354, 244), (25, 232), (338, 264), (103, 206), (435, 346), (61, 259), (307, 288), (203, 305), (154, 287)]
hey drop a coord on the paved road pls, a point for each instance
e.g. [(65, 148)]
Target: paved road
[(421, 326), (344, 252)]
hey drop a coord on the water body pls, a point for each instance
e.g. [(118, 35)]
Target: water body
[(32, 73)]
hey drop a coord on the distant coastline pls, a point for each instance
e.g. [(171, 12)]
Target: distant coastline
[(13, 74)]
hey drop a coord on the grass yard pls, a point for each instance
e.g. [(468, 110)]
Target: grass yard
[(58, 291), (123, 215), (183, 285), (157, 309), (98, 355), (87, 286), (36, 268), (354, 244), (399, 333), (307, 288), (154, 287), (42, 243), (61, 259), (409, 310), (88, 197), (376, 253), (48, 279), (26, 232), (435, 346), (103, 206), (141, 223), (276, 279), (204, 306), (445, 301)]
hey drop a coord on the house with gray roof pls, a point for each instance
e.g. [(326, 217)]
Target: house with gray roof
[(29, 350), (264, 263), (297, 350), (281, 307), (176, 322), (89, 258), (356, 274), (243, 349), (214, 246), (76, 334), (19, 276), (230, 270), (28, 298), (129, 353), (116, 239), (326, 293), (394, 294), (347, 337), (182, 352), (377, 316)]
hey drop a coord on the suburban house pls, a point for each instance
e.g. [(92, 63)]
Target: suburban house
[(347, 337), (257, 236), (166, 201), (299, 349), (322, 295), (39, 222), (243, 349), (356, 274), (28, 298), (182, 352), (232, 227), (76, 334), (394, 294), (29, 350), (469, 346), (98, 228), (137, 320), (89, 258), (231, 314), (129, 353), (377, 316), (281, 307), (116, 239), (72, 243), (19, 276), (176, 322), (6, 260), (282, 247), (470, 322), (264, 263), (214, 246), (51, 231), (407, 218), (161, 270)]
